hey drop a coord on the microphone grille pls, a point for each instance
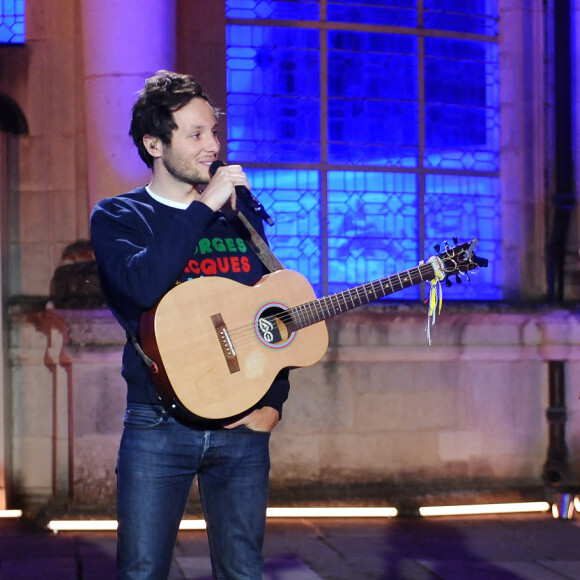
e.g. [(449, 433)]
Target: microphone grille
[(215, 166)]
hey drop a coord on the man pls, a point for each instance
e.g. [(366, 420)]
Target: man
[(145, 242)]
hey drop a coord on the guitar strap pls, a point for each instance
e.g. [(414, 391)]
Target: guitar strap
[(249, 234), (151, 364)]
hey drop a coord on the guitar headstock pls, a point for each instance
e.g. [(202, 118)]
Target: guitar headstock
[(459, 260)]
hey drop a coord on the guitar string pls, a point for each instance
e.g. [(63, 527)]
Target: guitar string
[(311, 311), (306, 312)]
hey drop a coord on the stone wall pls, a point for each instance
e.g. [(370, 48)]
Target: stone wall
[(382, 408)]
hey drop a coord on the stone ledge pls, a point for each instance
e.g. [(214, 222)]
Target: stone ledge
[(406, 496)]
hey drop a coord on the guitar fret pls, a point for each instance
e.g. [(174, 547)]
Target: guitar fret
[(350, 295), (328, 299), (331, 304), (315, 309), (300, 312), (366, 294), (321, 309), (331, 299), (307, 313), (310, 313), (322, 303)]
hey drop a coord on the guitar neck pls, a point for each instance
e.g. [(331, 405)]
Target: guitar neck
[(323, 308)]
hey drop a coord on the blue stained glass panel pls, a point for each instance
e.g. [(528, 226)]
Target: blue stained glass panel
[(372, 227), (467, 207), (384, 12), (462, 113), (476, 16), (273, 10), (12, 24), (372, 99), (372, 106), (274, 94), (292, 199)]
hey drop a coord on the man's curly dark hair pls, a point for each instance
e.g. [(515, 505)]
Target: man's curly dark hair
[(152, 114)]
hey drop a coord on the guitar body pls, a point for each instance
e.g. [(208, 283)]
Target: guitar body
[(218, 344)]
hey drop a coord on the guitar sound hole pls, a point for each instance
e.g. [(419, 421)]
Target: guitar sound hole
[(272, 325)]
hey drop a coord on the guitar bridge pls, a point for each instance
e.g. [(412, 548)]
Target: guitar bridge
[(226, 343)]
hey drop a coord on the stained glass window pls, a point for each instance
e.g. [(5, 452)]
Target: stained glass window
[(296, 10), (11, 21), (370, 130), (389, 12), (461, 104), (273, 94), (372, 226), (477, 16), (294, 197), (372, 99), (466, 206)]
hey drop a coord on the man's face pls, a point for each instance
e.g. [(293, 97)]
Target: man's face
[(194, 144)]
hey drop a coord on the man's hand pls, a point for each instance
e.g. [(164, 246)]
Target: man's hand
[(264, 419), (222, 187)]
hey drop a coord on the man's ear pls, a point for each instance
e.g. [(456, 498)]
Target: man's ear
[(153, 145)]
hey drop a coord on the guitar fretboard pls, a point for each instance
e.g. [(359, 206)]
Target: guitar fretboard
[(329, 306)]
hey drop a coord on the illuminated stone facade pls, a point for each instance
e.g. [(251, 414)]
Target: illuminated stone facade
[(382, 407)]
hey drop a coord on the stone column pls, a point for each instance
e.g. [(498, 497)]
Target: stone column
[(575, 18), (523, 146), (124, 41)]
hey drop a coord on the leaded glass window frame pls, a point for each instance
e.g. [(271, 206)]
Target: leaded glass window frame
[(456, 192), (12, 22)]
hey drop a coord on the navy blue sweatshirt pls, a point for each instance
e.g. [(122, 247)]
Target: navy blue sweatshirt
[(144, 246)]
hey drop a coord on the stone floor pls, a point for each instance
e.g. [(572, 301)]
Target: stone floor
[(507, 547)]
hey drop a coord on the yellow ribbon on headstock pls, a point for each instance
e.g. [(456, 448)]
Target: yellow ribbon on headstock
[(435, 305)]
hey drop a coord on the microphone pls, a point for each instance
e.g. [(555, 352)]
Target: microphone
[(244, 194)]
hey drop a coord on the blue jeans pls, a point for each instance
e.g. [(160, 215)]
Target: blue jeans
[(158, 460)]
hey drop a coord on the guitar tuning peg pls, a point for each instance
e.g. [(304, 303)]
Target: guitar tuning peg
[(448, 283), (437, 247), (458, 278), (455, 239)]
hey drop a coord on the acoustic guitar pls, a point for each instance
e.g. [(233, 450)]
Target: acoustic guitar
[(217, 345)]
